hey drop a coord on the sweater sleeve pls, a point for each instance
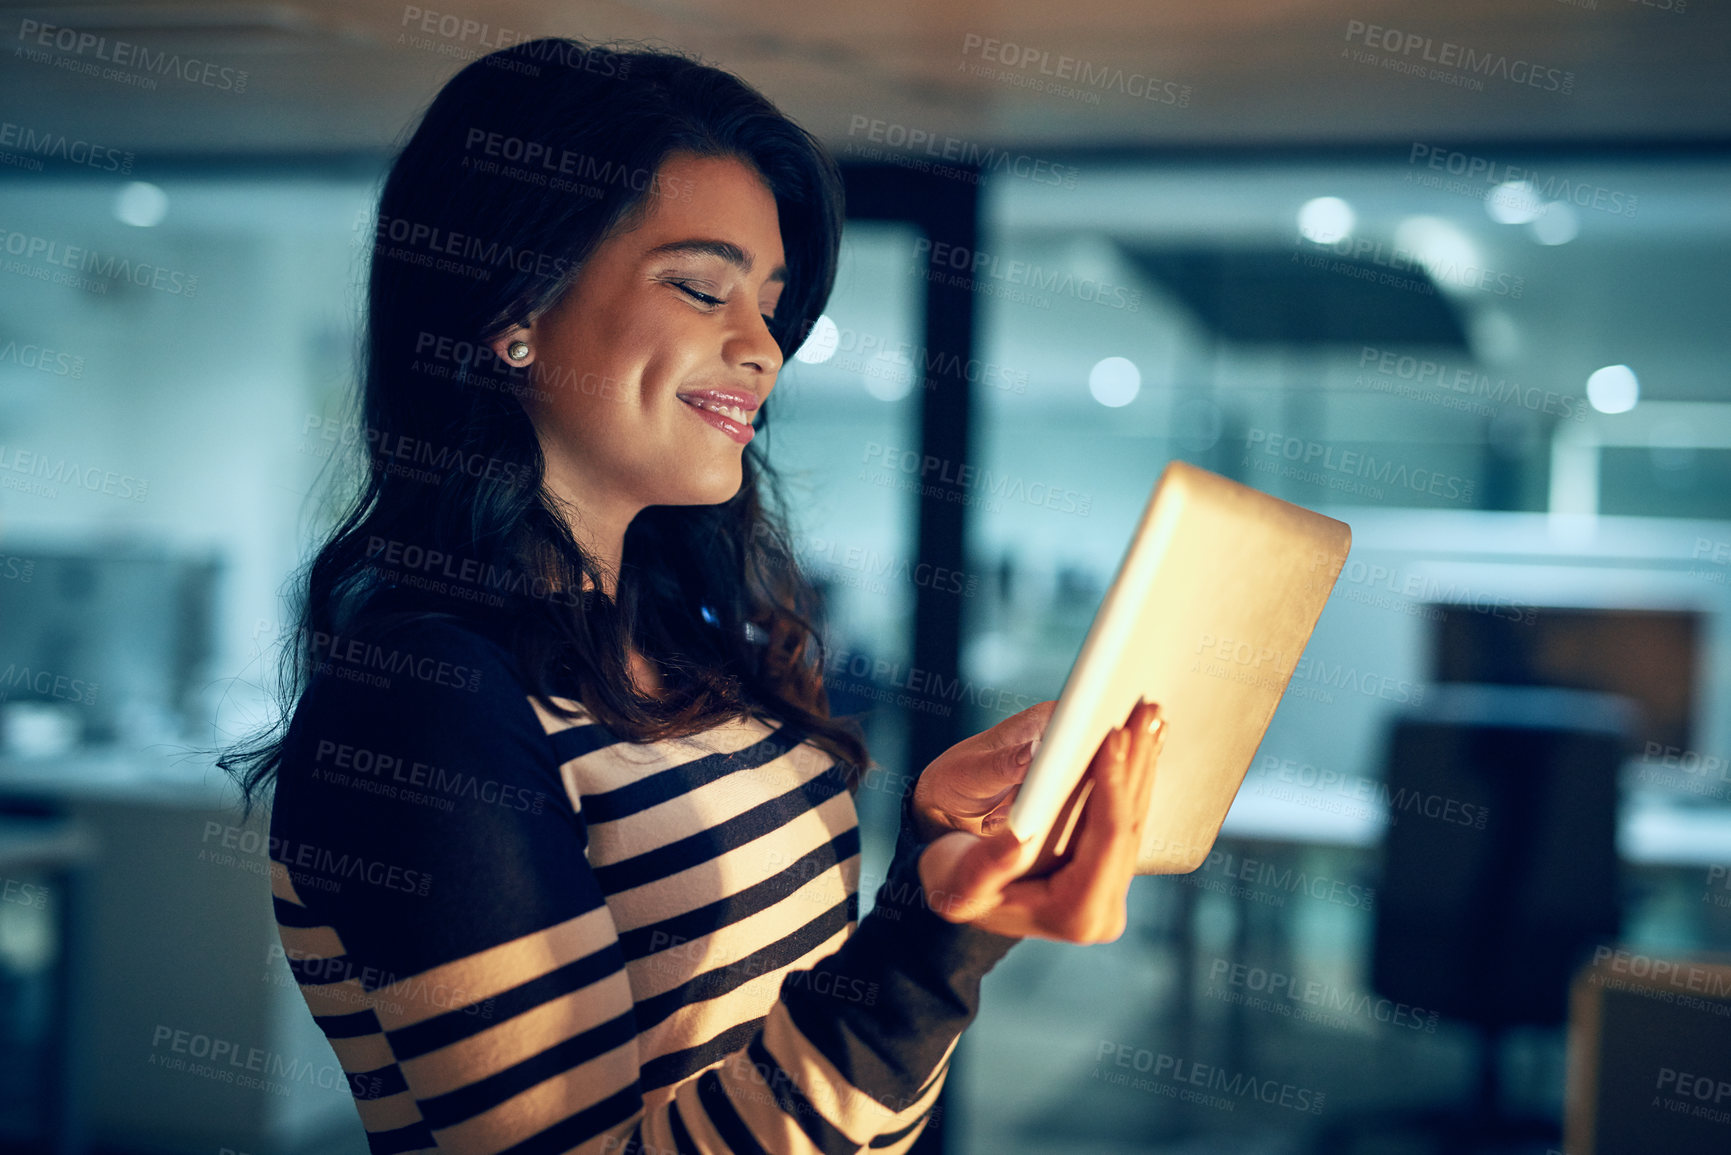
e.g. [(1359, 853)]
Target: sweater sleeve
[(436, 903)]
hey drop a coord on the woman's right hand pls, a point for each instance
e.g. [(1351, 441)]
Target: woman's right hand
[(981, 880)]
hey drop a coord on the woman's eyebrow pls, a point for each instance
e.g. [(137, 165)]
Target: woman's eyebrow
[(726, 250)]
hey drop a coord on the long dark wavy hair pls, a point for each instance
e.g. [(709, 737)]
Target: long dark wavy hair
[(524, 162)]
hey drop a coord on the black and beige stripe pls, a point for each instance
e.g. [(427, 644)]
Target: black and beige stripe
[(685, 971)]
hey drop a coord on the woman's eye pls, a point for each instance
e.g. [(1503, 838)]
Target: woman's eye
[(704, 297), (712, 302)]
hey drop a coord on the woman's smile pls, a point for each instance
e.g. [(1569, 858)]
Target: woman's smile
[(728, 410), (674, 311)]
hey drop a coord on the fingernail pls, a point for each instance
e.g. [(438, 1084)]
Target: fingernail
[(1025, 754), (1151, 725)]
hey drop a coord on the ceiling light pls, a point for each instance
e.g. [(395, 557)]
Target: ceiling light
[(1557, 225), (140, 203), (1114, 381), (1447, 254), (1514, 202), (1326, 220), (1613, 389), (819, 344)]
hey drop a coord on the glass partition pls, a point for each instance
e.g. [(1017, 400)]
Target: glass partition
[(1505, 373)]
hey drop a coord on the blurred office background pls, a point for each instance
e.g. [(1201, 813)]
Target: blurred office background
[(1457, 275)]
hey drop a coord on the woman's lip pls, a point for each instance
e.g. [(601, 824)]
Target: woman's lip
[(740, 433), (743, 398)]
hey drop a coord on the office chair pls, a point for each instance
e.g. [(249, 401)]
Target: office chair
[(1647, 1055), (1500, 871)]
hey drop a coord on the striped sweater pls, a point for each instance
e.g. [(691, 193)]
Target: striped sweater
[(521, 933)]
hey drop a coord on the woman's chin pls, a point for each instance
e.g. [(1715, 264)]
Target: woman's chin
[(713, 488)]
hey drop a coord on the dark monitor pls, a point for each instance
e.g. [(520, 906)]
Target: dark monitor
[(1649, 656), (104, 633)]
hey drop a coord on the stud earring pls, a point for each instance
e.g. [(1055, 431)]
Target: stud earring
[(517, 350)]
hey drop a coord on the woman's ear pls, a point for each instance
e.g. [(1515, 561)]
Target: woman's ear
[(514, 346)]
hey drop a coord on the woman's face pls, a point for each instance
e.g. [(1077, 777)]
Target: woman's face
[(662, 320)]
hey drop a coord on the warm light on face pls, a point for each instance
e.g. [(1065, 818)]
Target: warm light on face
[(654, 362)]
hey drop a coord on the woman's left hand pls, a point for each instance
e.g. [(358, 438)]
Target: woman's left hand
[(970, 786)]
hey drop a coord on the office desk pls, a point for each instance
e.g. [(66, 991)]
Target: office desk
[(1650, 829), (1262, 828), (59, 849), (175, 932)]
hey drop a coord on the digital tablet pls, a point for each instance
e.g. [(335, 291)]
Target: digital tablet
[(1210, 609)]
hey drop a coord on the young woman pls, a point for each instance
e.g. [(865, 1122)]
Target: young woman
[(564, 846)]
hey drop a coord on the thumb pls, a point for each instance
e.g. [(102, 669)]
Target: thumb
[(1020, 727), (1013, 744)]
